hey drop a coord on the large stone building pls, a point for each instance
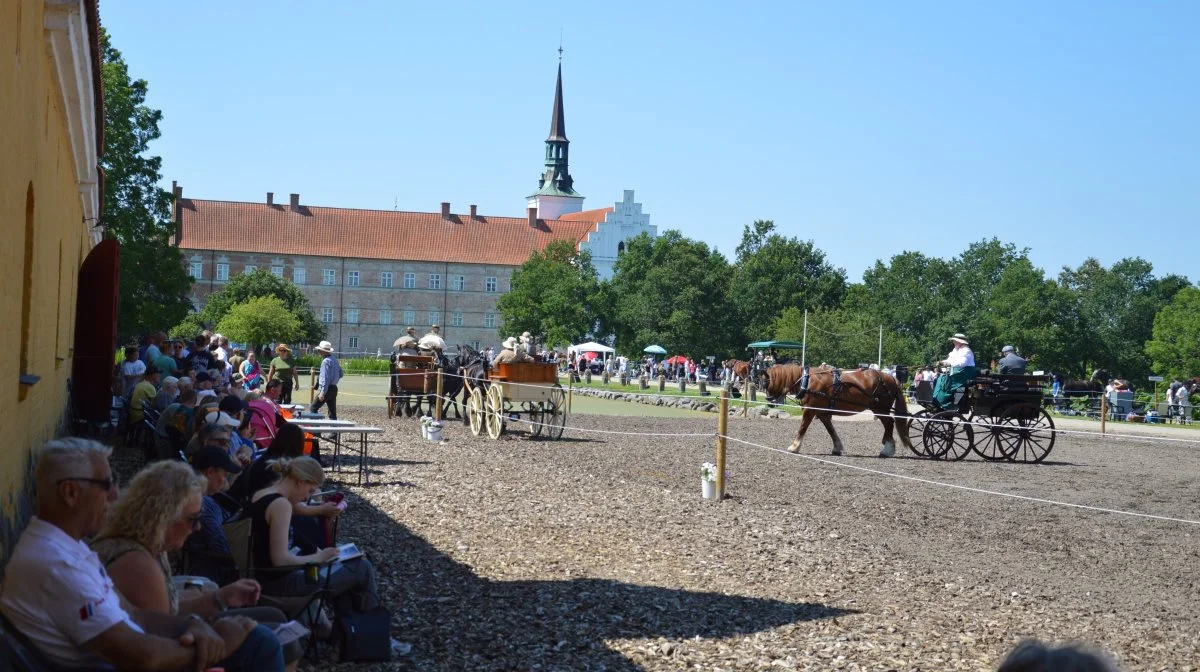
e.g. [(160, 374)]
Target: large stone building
[(371, 273), (51, 135)]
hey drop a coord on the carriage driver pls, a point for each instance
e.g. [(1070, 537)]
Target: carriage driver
[(961, 361), (432, 340), (1010, 362), (511, 353)]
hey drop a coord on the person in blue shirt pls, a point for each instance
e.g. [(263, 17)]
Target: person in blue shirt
[(327, 382)]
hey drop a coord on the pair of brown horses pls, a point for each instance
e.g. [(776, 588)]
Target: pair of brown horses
[(826, 391)]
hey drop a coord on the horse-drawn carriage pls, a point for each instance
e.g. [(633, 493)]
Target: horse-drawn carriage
[(999, 417), (515, 389), (413, 385)]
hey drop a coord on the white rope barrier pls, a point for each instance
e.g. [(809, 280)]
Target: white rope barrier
[(967, 488)]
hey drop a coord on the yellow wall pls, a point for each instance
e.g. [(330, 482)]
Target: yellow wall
[(35, 156)]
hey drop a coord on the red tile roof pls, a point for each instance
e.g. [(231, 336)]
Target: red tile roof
[(259, 228), (596, 215)]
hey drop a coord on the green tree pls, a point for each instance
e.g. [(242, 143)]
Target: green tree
[(672, 291), (844, 338), (552, 295), (260, 320), (246, 286), (154, 285), (1174, 349), (774, 272)]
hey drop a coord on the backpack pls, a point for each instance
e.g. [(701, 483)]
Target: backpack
[(365, 637)]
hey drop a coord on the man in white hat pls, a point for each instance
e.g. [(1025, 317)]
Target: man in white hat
[(511, 353), (327, 381), (432, 340), (961, 361)]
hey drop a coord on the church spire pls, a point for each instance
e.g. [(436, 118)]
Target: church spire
[(558, 121), (556, 178)]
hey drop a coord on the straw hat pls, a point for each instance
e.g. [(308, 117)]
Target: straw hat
[(324, 346), (959, 338), (510, 343), (281, 348)]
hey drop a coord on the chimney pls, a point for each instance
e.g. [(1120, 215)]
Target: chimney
[(176, 190), (473, 215), (270, 198), (295, 201), (445, 210), (532, 212)]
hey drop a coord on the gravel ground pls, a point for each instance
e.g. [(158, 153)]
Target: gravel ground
[(596, 552)]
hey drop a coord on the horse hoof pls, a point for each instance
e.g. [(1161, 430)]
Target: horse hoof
[(794, 448), (836, 452), (888, 450)]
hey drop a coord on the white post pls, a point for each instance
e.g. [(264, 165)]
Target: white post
[(879, 363), (804, 342)]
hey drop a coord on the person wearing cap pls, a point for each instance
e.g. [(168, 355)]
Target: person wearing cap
[(281, 368), (327, 381), (229, 414), (203, 385), (961, 361), (406, 345), (1010, 362), (510, 353), (209, 542)]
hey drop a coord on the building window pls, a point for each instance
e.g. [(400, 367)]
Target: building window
[(327, 315), (410, 280), (409, 317), (352, 315), (489, 320), (456, 318), (250, 268), (435, 280), (385, 317), (352, 278), (222, 272), (458, 282), (489, 285), (277, 271), (196, 270), (435, 317), (354, 342), (298, 276), (329, 277), (385, 279)]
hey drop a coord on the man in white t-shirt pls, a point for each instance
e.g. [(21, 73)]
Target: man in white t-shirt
[(58, 595)]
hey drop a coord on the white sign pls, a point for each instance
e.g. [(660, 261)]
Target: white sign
[(1156, 379)]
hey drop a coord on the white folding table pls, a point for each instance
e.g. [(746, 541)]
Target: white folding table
[(361, 431)]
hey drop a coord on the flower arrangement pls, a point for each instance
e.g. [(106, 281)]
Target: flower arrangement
[(433, 424), (426, 420), (708, 472)]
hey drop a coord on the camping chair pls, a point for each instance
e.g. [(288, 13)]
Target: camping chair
[(238, 533)]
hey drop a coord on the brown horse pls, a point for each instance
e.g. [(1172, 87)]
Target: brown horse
[(853, 392), (740, 368)]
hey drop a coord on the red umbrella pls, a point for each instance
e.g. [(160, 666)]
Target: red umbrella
[(589, 355), (677, 359)]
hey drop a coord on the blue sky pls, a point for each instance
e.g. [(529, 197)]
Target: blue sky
[(1072, 128)]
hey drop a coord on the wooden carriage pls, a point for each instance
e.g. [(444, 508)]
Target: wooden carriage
[(413, 385), (516, 389)]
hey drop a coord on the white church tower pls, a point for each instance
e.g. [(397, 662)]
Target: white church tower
[(624, 222), (556, 195)]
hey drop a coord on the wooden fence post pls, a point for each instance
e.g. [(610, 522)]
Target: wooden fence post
[(722, 426), (437, 409), (312, 385), (1103, 411)]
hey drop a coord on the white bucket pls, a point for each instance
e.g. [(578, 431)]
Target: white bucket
[(434, 434), (709, 488), (424, 432)]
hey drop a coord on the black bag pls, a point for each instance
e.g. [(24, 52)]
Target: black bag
[(365, 637)]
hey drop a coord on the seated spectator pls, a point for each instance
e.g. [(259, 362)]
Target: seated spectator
[(209, 435), (143, 393), (58, 595), (351, 583), (167, 393), (264, 413), (209, 542), (175, 424), (1033, 656), (156, 514), (229, 414), (204, 385)]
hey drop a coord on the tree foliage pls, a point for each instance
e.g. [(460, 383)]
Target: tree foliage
[(246, 286), (260, 320), (1174, 348), (553, 295), (153, 283)]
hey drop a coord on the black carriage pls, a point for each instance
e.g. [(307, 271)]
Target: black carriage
[(997, 416), (413, 385)]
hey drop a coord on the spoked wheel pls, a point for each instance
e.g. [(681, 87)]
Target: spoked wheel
[(494, 411), (916, 426), (555, 413), (947, 435), (1028, 432), (475, 411), (533, 409), (988, 435)]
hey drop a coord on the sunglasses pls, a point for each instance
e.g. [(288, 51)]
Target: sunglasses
[(105, 483)]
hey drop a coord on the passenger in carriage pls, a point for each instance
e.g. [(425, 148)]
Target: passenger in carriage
[(1010, 362), (432, 340), (511, 353), (961, 361)]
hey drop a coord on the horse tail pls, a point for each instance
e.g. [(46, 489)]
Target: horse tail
[(899, 410)]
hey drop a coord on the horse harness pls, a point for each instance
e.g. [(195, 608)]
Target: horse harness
[(835, 389)]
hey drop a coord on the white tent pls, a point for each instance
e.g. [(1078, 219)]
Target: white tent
[(591, 346)]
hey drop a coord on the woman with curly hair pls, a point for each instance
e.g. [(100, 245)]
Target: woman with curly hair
[(155, 515)]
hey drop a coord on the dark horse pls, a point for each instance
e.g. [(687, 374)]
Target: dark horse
[(470, 364), (1087, 388), (825, 391)]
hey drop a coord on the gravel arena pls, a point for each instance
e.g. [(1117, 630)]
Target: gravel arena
[(597, 552)]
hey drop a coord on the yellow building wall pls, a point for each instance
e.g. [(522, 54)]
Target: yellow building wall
[(37, 186)]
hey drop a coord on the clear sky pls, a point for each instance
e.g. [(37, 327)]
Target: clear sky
[(1072, 128)]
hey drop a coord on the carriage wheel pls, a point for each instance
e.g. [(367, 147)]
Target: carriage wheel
[(989, 443), (533, 409), (948, 435), (475, 411), (916, 426), (494, 415), (556, 412), (1028, 431)]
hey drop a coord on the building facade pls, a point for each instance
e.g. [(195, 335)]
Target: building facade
[(370, 273), (51, 133)]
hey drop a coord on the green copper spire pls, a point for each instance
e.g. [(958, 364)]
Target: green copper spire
[(556, 180)]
